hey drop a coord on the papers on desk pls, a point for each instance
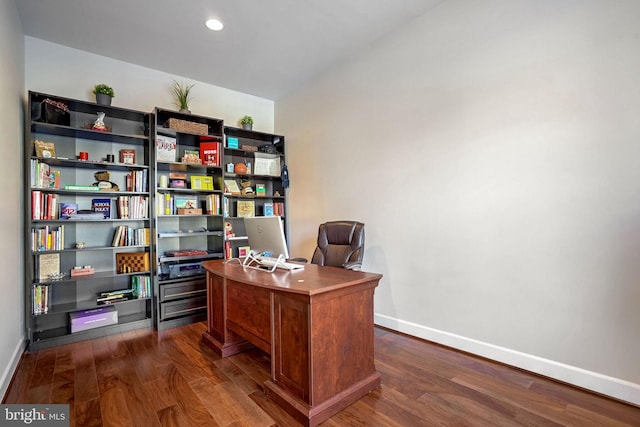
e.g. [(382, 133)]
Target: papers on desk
[(266, 164)]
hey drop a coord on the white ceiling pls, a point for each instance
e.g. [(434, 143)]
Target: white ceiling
[(267, 48)]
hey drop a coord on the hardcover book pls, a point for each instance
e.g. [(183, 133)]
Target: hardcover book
[(103, 206), (165, 148), (67, 210), (209, 153)]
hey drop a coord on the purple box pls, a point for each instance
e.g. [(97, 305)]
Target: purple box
[(94, 318)]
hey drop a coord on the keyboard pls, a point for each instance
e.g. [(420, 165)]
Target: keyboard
[(269, 262)]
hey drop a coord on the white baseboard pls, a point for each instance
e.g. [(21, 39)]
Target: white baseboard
[(609, 386), (7, 375)]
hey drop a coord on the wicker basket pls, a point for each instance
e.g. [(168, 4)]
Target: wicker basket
[(130, 262), (190, 127)]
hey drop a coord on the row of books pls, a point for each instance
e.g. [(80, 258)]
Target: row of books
[(168, 204), (42, 176), (47, 239), (137, 180), (133, 207), (43, 205), (40, 299), (129, 236), (140, 288)]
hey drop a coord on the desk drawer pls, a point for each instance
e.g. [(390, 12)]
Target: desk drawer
[(183, 289), (183, 307)]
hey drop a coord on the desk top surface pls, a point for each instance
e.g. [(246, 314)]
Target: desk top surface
[(310, 280)]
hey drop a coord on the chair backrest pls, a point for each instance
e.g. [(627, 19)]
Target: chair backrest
[(340, 244)]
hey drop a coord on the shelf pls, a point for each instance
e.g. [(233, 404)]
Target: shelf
[(173, 132), (162, 235), (83, 305), (89, 249), (187, 191), (60, 130), (236, 238), (88, 164), (88, 221), (182, 167), (97, 275), (56, 336), (251, 176), (216, 255)]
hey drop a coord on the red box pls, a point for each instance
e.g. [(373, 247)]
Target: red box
[(209, 153)]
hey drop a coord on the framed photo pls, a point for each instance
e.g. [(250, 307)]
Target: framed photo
[(246, 208), (243, 251)]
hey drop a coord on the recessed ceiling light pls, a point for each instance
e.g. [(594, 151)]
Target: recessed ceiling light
[(214, 24)]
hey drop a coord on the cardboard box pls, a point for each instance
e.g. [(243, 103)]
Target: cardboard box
[(93, 318)]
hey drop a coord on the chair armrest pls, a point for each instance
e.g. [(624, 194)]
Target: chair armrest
[(354, 265)]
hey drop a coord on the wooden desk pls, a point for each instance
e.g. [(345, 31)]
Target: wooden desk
[(316, 323)]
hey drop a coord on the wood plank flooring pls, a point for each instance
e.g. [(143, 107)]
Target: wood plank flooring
[(148, 378)]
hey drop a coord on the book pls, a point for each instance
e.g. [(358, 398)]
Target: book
[(268, 209), (103, 206), (67, 210), (81, 187), (48, 265), (186, 202), (165, 148), (209, 153), (191, 156), (245, 208), (261, 190)]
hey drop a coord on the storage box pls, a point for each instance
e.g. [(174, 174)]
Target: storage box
[(54, 112), (130, 262), (93, 318), (189, 127)]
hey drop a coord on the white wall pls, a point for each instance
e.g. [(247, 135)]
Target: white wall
[(11, 224), (62, 71), (492, 150)]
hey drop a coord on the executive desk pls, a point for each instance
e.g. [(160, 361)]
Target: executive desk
[(316, 323)]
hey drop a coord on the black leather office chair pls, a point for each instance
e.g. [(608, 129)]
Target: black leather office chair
[(340, 244)]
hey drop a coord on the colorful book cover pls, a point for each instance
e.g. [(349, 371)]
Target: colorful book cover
[(268, 209), (165, 148), (209, 153), (102, 205), (68, 210)]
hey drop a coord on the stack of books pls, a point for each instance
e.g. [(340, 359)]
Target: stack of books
[(115, 296)]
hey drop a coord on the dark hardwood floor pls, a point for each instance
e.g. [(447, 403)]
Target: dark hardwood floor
[(147, 378)]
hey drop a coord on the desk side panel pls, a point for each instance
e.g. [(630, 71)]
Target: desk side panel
[(290, 359), (342, 342)]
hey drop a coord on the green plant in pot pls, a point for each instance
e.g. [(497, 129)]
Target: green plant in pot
[(103, 94), (247, 122), (182, 93)]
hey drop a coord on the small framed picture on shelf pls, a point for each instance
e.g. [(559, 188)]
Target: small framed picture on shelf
[(187, 205), (128, 156), (45, 149), (245, 208), (243, 251), (201, 182)]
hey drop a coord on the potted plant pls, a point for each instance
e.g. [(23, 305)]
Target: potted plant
[(103, 94), (182, 92), (247, 122)]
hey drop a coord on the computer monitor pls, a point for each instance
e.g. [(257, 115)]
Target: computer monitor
[(266, 234)]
